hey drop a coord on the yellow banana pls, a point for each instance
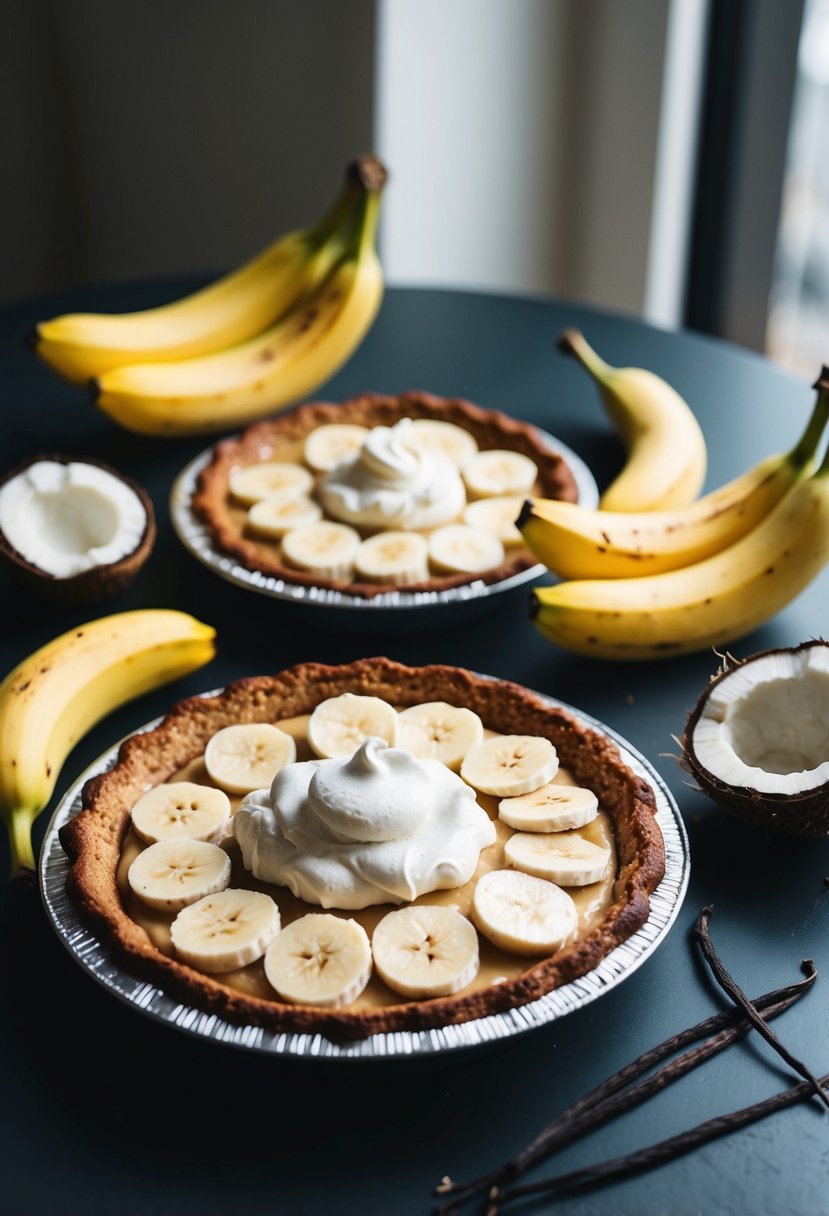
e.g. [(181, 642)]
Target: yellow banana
[(55, 695), (287, 362), (666, 454), (81, 346), (576, 543), (708, 604)]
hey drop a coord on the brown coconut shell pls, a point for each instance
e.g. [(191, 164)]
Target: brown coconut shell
[(805, 814), (91, 586)]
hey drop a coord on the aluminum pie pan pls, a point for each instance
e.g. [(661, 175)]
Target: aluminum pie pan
[(196, 539), (92, 954)]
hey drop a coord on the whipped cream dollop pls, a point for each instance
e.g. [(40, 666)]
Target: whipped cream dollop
[(377, 827), (67, 518), (392, 481)]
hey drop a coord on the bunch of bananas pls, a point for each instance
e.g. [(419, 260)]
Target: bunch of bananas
[(257, 340), (652, 572), (54, 696)]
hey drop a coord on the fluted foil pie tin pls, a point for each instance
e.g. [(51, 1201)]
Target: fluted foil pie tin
[(93, 955), (195, 536)]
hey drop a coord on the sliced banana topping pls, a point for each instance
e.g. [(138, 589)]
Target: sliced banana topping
[(175, 873), (258, 481), (393, 557), (328, 445), (552, 808), (498, 472), (564, 857), (523, 914), (459, 549), (248, 756), (338, 726), (431, 435), (273, 517), (438, 731), (321, 960), (425, 951), (498, 516), (225, 931), (510, 764), (325, 549), (181, 809)]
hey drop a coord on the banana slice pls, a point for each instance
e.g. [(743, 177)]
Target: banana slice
[(273, 517), (339, 725), (565, 858), (438, 731), (393, 557), (328, 445), (498, 472), (181, 809), (319, 959), (425, 951), (498, 516), (552, 808), (510, 764), (225, 931), (523, 914), (174, 873), (459, 549), (325, 549), (248, 756), (430, 435), (258, 481)]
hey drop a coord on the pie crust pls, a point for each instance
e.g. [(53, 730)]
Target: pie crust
[(490, 429), (94, 838)]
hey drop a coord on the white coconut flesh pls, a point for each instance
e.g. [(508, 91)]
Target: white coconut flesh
[(68, 518), (765, 726)]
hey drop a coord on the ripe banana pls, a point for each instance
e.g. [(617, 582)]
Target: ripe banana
[(576, 543), (435, 730), (666, 455), (339, 725), (319, 959), (286, 362), (708, 604), (247, 756), (565, 858), (552, 808), (55, 695), (172, 874), (237, 307), (182, 809), (508, 765), (425, 950), (523, 914)]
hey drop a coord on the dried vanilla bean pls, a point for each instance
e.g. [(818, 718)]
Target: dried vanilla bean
[(740, 999), (602, 1103), (655, 1154)]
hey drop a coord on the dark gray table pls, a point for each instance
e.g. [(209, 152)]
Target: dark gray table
[(105, 1111)]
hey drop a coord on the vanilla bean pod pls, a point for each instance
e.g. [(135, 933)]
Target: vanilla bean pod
[(655, 1154), (601, 1103), (740, 999)]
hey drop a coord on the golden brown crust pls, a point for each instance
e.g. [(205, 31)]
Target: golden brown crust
[(489, 428), (93, 840)]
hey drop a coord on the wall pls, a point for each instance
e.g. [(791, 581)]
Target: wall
[(150, 137)]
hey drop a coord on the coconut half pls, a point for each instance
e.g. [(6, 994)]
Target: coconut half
[(74, 530), (758, 739)]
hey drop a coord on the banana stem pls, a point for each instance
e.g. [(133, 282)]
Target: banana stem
[(365, 175), (19, 823), (803, 451), (573, 342)]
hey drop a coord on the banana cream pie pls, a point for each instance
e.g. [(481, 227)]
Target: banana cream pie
[(365, 848), (416, 491)]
